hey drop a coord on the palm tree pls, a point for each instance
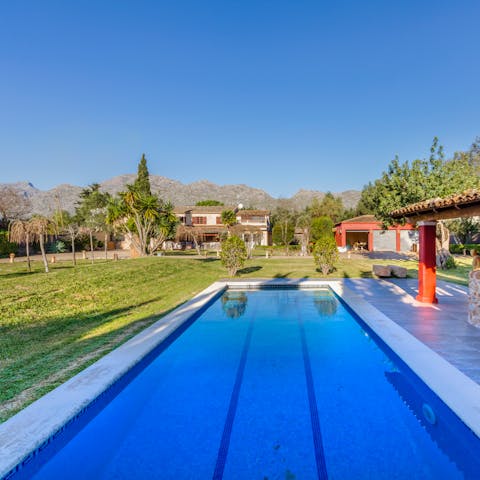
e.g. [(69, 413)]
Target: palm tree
[(38, 227), (20, 232), (165, 227), (192, 233), (138, 214), (229, 219)]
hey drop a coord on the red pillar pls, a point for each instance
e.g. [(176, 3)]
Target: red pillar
[(370, 241), (427, 276), (399, 244)]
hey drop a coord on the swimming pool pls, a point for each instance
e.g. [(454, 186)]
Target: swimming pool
[(271, 383)]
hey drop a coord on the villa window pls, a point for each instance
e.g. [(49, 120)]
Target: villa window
[(199, 220)]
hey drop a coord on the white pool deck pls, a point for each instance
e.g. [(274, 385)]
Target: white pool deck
[(434, 340)]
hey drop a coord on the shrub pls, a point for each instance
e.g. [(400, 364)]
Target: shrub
[(450, 263), (233, 254), (6, 247), (321, 227), (325, 254), (82, 242), (58, 246), (460, 248)]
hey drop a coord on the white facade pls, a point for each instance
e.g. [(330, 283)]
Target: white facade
[(253, 226)]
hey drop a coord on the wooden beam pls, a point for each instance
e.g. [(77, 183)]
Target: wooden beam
[(448, 213)]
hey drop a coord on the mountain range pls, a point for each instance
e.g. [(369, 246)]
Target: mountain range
[(65, 196)]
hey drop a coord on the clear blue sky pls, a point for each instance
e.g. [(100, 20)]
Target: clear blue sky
[(280, 95)]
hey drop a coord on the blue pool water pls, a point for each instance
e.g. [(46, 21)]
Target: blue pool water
[(269, 384)]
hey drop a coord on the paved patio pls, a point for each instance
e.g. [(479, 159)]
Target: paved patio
[(443, 327)]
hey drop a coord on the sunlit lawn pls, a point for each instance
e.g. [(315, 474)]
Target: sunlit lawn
[(52, 326)]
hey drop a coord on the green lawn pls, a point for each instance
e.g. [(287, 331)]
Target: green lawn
[(52, 326)]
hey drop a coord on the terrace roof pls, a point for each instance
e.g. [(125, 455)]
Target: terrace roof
[(465, 204), (425, 214)]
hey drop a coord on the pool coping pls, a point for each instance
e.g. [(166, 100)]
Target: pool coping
[(24, 434)]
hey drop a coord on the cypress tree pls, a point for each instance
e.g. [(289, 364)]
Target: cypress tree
[(142, 182)]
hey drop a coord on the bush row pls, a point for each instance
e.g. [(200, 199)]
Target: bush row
[(461, 248), (57, 246)]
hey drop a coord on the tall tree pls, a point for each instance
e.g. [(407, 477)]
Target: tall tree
[(406, 183), (143, 216), (304, 223), (283, 231), (330, 206), (91, 213), (366, 204), (67, 224), (142, 182), (472, 155)]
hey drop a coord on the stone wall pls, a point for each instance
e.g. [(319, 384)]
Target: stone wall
[(474, 298)]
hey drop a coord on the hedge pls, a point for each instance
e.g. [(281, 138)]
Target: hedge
[(459, 248)]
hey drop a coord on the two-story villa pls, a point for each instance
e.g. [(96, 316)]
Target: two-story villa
[(206, 224)]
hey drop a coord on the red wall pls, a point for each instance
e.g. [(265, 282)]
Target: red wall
[(342, 228)]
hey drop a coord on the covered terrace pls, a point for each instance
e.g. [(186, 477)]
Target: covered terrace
[(425, 215)]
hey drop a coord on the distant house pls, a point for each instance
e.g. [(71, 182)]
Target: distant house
[(206, 224), (367, 233)]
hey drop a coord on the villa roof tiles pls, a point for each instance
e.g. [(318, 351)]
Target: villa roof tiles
[(360, 219), (466, 198), (216, 209)]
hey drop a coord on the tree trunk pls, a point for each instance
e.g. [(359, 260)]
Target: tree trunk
[(91, 245), (250, 245), (106, 246), (197, 245), (73, 251), (442, 245), (27, 245), (305, 240), (285, 238), (44, 256)]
